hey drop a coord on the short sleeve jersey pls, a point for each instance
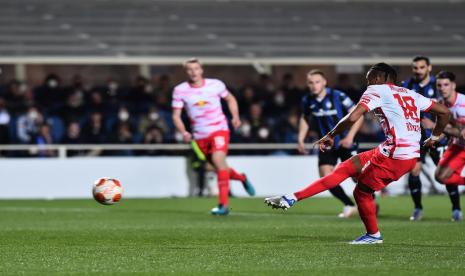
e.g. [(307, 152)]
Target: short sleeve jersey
[(457, 109), (398, 110), (203, 106)]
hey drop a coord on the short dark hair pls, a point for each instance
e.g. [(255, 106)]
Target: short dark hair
[(388, 70), (446, 75), (316, 72), (418, 58)]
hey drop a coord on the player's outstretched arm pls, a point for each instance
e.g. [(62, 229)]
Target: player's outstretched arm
[(180, 127), (348, 141), (443, 115), (344, 124), (234, 109)]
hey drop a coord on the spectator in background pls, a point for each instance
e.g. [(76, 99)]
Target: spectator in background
[(4, 123), (344, 84), (74, 109), (153, 118), (291, 91), (276, 105), (153, 135), (289, 127), (163, 92), (264, 88), (113, 94), (141, 94), (44, 137), (124, 117), (93, 131), (50, 94), (246, 98), (77, 86), (73, 136), (123, 136), (28, 125), (96, 103), (260, 131), (15, 97)]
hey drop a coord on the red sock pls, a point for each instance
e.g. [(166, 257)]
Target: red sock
[(223, 187), (235, 175), (341, 173), (367, 210), (455, 179)]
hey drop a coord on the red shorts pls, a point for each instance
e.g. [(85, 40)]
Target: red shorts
[(379, 170), (454, 158), (217, 141)]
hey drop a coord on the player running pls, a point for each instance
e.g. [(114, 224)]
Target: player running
[(398, 110), (322, 108), (423, 83), (201, 97), (452, 162)]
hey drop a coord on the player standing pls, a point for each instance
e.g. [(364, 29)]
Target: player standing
[(201, 97), (423, 83), (452, 162), (322, 108), (398, 110)]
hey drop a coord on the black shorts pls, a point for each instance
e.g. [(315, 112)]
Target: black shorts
[(331, 157), (435, 153)]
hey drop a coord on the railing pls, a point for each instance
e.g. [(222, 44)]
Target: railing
[(63, 149)]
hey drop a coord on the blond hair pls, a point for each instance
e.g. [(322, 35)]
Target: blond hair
[(191, 60)]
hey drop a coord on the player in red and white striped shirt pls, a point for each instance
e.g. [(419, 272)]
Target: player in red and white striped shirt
[(201, 97), (452, 162), (398, 111)]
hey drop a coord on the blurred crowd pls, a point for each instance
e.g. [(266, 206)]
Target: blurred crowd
[(58, 112)]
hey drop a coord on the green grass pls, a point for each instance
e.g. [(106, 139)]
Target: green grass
[(178, 236)]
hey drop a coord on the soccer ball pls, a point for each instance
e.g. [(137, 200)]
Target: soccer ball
[(107, 190)]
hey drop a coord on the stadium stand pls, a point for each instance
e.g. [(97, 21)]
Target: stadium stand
[(265, 29)]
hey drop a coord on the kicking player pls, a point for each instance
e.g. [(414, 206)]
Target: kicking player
[(398, 110), (202, 99), (424, 83), (452, 162), (322, 108)]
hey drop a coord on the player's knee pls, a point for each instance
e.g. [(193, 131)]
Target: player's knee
[(440, 177), (416, 170)]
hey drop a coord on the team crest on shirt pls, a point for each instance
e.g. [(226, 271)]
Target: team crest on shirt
[(328, 105), (430, 92), (201, 103)]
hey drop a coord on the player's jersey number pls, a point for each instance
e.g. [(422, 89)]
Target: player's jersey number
[(408, 106)]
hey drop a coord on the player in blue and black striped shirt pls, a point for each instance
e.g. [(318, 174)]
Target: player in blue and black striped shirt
[(322, 108)]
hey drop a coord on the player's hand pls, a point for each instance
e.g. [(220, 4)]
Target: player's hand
[(326, 143), (346, 143), (462, 133), (236, 122), (301, 148), (427, 123), (430, 143), (186, 137)]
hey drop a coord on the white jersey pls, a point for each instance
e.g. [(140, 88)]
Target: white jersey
[(203, 106), (458, 113), (398, 111)]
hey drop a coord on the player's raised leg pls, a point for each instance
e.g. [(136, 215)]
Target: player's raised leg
[(242, 177), (344, 170)]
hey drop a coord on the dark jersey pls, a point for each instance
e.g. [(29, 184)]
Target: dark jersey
[(323, 115)]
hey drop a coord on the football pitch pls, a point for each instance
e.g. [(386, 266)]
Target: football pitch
[(178, 236)]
